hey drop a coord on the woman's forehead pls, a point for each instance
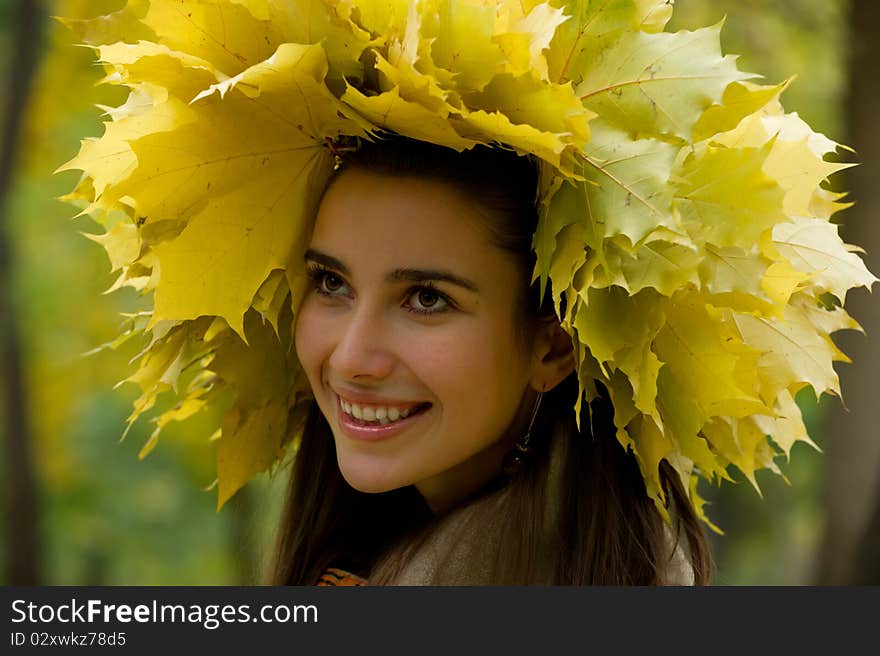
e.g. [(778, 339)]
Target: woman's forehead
[(422, 214), (376, 224)]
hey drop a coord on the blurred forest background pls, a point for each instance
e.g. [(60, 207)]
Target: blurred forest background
[(79, 508)]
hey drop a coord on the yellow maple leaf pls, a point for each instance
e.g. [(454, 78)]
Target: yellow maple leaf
[(814, 247), (739, 100), (231, 243), (122, 243), (699, 351), (793, 354), (222, 32), (725, 197)]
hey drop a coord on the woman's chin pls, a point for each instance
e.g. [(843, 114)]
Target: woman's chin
[(369, 482)]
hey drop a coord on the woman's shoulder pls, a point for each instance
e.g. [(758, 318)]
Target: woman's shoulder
[(679, 569)]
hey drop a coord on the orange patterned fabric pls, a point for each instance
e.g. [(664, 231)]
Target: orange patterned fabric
[(336, 576)]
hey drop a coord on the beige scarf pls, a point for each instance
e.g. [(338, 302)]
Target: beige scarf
[(461, 549)]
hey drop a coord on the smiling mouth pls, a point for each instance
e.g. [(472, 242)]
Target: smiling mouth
[(376, 415)]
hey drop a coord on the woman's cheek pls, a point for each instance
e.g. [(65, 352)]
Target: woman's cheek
[(454, 365), (311, 337)]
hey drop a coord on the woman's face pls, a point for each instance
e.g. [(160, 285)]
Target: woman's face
[(407, 333)]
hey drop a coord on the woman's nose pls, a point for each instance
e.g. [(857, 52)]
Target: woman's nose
[(361, 351)]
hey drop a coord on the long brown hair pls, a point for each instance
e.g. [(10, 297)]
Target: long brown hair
[(577, 514)]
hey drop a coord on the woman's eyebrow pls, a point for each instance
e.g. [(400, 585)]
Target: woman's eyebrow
[(428, 275), (398, 275), (326, 260)]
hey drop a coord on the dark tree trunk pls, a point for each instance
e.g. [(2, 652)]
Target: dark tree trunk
[(867, 564), (23, 553), (851, 541)]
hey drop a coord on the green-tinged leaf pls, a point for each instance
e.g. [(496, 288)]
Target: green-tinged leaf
[(568, 257), (610, 321), (619, 330), (733, 269), (158, 370), (656, 84), (553, 215), (386, 19), (626, 190), (795, 160), (652, 15), (573, 46), (656, 264)]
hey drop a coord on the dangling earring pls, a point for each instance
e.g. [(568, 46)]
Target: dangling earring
[(521, 451)]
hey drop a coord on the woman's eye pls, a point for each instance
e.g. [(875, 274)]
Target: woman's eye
[(331, 283), (327, 283), (427, 301)]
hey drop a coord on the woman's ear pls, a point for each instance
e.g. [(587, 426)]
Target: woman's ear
[(554, 356)]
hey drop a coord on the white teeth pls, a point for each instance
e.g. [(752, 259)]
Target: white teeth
[(377, 414)]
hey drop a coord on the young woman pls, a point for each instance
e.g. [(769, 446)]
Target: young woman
[(442, 448)]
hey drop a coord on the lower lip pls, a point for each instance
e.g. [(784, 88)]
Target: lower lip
[(373, 433)]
